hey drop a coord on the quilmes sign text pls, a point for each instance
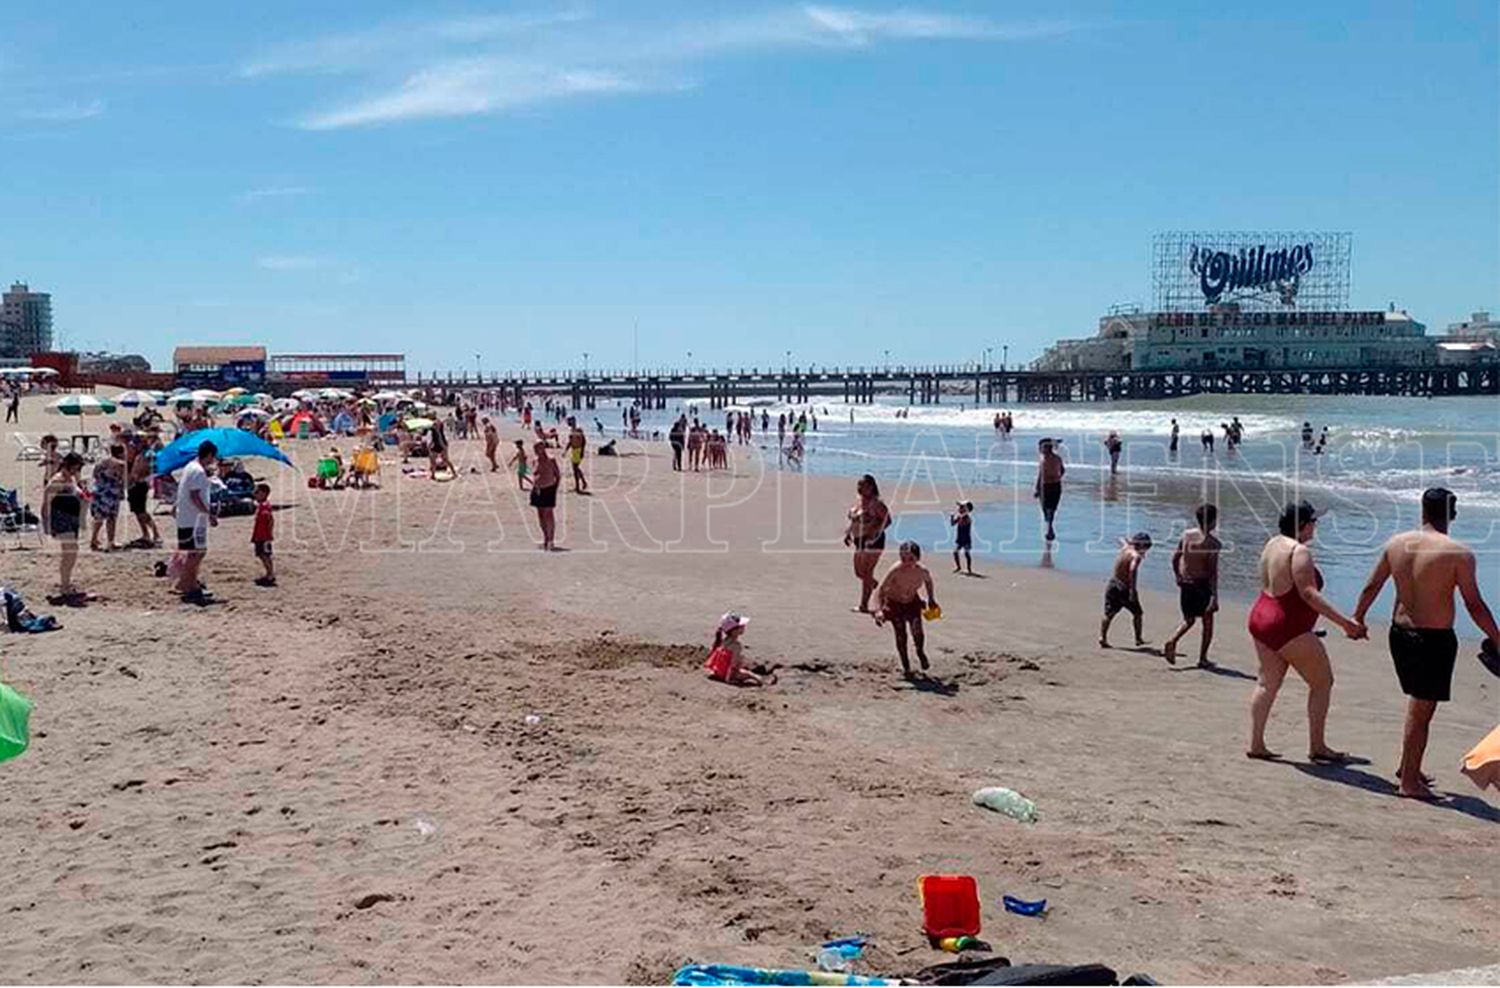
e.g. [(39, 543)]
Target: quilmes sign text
[(1221, 273)]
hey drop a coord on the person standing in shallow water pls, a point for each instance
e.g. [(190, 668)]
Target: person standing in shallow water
[(1049, 480), (865, 534)]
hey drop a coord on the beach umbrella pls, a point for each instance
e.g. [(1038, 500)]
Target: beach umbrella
[(388, 396), (417, 425), (80, 405), (335, 394), (231, 442), (240, 400), (134, 399), (44, 371), (253, 413), (236, 390), (202, 397), (286, 405)]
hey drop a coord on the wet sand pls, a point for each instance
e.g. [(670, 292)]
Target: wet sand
[(434, 753)]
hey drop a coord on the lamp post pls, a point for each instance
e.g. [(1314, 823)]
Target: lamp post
[(788, 360), (585, 363), (478, 374), (887, 361), (1005, 356), (987, 352)]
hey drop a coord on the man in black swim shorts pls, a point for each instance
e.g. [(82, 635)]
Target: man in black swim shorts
[(1428, 566), (1049, 478), (1196, 566)]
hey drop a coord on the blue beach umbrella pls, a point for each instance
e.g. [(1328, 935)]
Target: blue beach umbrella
[(231, 442)]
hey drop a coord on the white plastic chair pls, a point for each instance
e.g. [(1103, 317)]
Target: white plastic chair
[(25, 448)]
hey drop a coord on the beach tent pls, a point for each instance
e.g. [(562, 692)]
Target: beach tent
[(231, 442), (294, 426)]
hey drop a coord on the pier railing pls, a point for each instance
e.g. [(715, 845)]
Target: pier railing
[(968, 383)]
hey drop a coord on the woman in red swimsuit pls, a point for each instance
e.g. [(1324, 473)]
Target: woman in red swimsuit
[(1281, 625)]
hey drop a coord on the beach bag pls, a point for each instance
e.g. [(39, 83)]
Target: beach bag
[(15, 712)]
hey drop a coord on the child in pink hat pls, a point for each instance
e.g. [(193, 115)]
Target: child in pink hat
[(726, 661)]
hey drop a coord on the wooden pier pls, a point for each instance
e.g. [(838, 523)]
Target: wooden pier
[(965, 384)]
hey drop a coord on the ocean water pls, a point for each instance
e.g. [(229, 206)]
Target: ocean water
[(1382, 453)]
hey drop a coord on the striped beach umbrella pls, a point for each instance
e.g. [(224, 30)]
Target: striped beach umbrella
[(135, 399), (80, 405)]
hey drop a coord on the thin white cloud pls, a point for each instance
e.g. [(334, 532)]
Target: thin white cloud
[(291, 262), (395, 40), (64, 112), (470, 66), (274, 192), (460, 89)]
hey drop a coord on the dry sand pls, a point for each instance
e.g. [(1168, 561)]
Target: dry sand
[(234, 793)]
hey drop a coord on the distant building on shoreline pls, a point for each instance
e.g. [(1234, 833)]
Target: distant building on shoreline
[(219, 366), (1248, 301), (251, 367), (25, 321)]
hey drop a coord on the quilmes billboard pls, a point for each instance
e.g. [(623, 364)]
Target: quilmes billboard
[(1257, 271)]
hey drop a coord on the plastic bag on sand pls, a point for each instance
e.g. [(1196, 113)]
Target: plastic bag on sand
[(1007, 801), (15, 711)]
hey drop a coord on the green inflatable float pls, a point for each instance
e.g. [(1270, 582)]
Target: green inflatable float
[(15, 710)]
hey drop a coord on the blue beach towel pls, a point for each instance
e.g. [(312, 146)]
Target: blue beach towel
[(734, 974)]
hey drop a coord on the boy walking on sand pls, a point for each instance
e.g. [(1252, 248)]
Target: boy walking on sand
[(262, 533), (899, 601), (1195, 563), (1120, 593)]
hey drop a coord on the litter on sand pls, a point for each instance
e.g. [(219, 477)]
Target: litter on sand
[(1021, 907)]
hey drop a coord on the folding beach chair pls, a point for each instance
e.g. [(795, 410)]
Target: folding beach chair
[(25, 448), (367, 468)]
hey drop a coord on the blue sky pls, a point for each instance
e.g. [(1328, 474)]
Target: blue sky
[(531, 181)]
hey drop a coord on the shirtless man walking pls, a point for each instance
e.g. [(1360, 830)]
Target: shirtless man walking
[(1195, 563), (1427, 565), (1049, 477)]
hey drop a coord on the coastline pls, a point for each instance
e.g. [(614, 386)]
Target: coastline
[(243, 779)]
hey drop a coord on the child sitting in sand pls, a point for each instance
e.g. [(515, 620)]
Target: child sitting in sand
[(899, 601), (1120, 594), (726, 661)]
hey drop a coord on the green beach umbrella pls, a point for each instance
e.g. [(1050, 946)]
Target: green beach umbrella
[(80, 405), (417, 425)]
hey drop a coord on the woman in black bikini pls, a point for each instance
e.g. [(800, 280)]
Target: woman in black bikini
[(62, 514), (868, 520)]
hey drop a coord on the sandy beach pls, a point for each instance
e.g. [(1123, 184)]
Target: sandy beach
[(434, 753)]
